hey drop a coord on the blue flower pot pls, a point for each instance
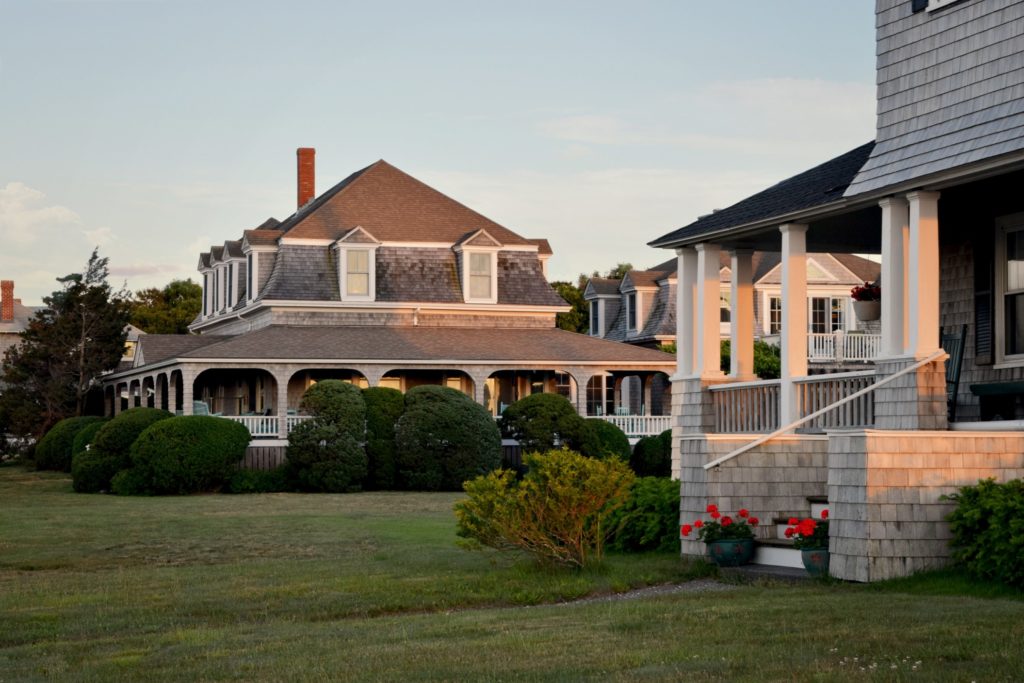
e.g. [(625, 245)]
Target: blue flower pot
[(731, 552), (815, 561)]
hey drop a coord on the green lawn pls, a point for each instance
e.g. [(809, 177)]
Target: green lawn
[(372, 586)]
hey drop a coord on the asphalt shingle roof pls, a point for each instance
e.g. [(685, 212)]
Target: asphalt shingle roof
[(159, 347)]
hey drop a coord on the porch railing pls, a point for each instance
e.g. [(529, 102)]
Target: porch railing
[(259, 426), (746, 407), (292, 420), (819, 391), (640, 425), (837, 347)]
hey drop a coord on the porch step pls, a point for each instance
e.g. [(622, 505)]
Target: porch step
[(818, 505), (777, 553)]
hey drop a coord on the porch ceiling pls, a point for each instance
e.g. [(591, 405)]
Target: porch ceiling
[(853, 232)]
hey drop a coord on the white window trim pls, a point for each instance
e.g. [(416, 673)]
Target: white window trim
[(599, 332), (938, 4), (636, 317), (465, 252), (371, 259), (1004, 225)]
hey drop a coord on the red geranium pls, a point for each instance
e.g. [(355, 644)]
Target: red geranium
[(685, 529), (824, 514), (698, 523), (723, 527), (727, 520), (716, 514), (743, 512), (809, 533), (712, 508), (753, 521)]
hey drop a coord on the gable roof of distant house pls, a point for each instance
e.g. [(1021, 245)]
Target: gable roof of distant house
[(821, 185)]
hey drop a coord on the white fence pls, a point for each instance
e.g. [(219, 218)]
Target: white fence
[(839, 347), (267, 426), (640, 425), (746, 407)]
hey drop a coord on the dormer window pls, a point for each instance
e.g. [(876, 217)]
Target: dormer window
[(595, 318), (357, 272), (631, 310), (481, 275), (478, 257)]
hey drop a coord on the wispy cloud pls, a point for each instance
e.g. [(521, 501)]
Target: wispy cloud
[(26, 217), (137, 269)]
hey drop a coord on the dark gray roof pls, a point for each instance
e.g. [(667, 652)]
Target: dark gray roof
[(233, 249), (303, 273), (453, 344), (158, 347), (818, 186), (604, 285)]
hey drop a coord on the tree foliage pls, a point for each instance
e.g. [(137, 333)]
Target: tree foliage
[(77, 335), (540, 422), (578, 319), (168, 310)]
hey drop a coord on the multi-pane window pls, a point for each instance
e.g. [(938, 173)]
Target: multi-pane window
[(480, 276), (206, 294), (775, 315), (357, 277), (631, 310), (826, 314), (216, 289), (250, 283), (231, 284), (1013, 296), (595, 318)]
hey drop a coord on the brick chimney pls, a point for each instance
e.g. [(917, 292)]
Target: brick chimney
[(307, 174), (6, 300)]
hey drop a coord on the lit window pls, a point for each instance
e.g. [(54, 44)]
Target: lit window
[(480, 276), (357, 279), (774, 315), (1013, 294)]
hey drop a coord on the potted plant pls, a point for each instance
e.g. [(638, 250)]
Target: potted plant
[(867, 301), (730, 541), (810, 537)]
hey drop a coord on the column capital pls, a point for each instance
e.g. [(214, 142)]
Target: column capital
[(923, 196), (793, 227), (706, 246), (886, 202), (683, 250)]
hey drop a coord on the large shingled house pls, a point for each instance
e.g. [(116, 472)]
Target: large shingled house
[(381, 281)]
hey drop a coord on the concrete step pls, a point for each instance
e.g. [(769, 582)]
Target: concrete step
[(818, 505), (777, 553)]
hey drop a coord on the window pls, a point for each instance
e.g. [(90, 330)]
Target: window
[(595, 318), (1013, 293), (631, 310), (826, 314), (775, 315), (206, 294), (216, 287), (231, 285), (724, 308), (357, 277), (249, 286), (479, 276)]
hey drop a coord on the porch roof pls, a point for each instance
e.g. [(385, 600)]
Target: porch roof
[(155, 348), (396, 344), (823, 184)]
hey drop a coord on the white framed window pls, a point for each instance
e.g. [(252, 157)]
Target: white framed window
[(827, 314), (206, 294), (250, 280), (631, 316), (1009, 300), (357, 273), (595, 318), (231, 285), (774, 315), (480, 276)]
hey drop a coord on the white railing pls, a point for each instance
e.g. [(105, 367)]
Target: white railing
[(821, 348), (862, 347), (259, 426), (746, 407), (819, 391), (640, 425), (292, 420), (838, 347)]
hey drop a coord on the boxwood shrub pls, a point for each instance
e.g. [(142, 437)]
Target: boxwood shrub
[(652, 455), (188, 454), (110, 449), (444, 438), (540, 422), (649, 520), (601, 439), (84, 437), (54, 450), (324, 457), (384, 406), (259, 481), (339, 402), (988, 531)]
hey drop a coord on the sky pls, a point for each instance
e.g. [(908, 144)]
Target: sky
[(152, 129)]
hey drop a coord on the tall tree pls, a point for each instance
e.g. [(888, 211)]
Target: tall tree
[(578, 319), (168, 310), (78, 334), (619, 271)]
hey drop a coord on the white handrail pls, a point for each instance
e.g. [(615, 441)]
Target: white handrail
[(940, 354), (830, 376), (727, 386)]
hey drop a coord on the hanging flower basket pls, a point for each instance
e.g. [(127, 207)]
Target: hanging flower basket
[(867, 310)]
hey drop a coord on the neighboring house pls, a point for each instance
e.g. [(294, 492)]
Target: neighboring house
[(381, 281), (938, 196), (14, 317)]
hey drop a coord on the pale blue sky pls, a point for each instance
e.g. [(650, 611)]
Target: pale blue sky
[(157, 128)]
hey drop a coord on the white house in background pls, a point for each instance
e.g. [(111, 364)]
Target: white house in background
[(938, 196)]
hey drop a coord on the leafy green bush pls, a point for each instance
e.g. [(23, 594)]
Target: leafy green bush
[(84, 437), (444, 438), (54, 450), (559, 512), (767, 362), (324, 457), (988, 531), (652, 455), (601, 439), (384, 407), (338, 402), (188, 454), (540, 421), (259, 481), (649, 520), (110, 449)]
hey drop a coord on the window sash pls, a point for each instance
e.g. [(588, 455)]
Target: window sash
[(631, 304), (357, 277), (595, 317), (774, 315), (480, 276)]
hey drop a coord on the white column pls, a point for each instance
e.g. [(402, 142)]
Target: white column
[(686, 310), (741, 344), (794, 317), (282, 403), (895, 219), (708, 338), (923, 274)]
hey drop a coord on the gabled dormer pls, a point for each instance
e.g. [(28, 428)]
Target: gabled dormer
[(356, 252), (477, 254), (603, 297), (638, 289), (259, 248), (205, 271)]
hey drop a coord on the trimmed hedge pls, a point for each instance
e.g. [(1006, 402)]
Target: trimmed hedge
[(323, 457), (54, 450), (259, 481), (85, 436), (988, 531), (652, 455), (649, 521), (338, 402), (444, 438), (188, 454), (536, 421), (601, 439), (384, 407), (110, 451)]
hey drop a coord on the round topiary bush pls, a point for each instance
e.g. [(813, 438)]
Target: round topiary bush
[(188, 454), (323, 457), (540, 422), (83, 439), (54, 450), (601, 439), (110, 448), (444, 438), (652, 455), (384, 407), (339, 402)]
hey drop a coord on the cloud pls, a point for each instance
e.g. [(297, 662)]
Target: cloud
[(26, 218), (99, 236), (137, 269)]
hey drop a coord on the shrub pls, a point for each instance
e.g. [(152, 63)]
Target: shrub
[(323, 457), (384, 407), (540, 422), (339, 402), (188, 454), (601, 439), (54, 450), (988, 531), (558, 512), (85, 436), (767, 362), (444, 438), (652, 455), (110, 449), (259, 481), (649, 520)]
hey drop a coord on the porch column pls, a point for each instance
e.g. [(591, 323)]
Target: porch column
[(741, 343), (923, 274), (895, 220), (281, 408), (646, 382), (708, 361), (582, 379), (794, 317), (187, 387), (686, 309)]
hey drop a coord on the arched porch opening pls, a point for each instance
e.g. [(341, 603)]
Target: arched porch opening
[(121, 396), (134, 394), (635, 392), (505, 387), (235, 392), (404, 380), (162, 392), (177, 406), (109, 404), (601, 395), (148, 392), (302, 380)]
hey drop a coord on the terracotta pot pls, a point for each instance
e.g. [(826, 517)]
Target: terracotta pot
[(731, 552), (867, 310)]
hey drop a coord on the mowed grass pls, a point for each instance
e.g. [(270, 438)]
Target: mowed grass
[(373, 587)]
